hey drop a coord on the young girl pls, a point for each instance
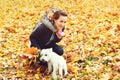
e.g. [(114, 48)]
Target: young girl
[(47, 19)]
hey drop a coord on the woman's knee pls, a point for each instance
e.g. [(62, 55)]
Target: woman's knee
[(58, 50)]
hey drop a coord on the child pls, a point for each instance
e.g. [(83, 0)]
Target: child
[(46, 19)]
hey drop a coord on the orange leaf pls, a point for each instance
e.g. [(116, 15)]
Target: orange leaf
[(11, 29), (32, 51), (70, 68)]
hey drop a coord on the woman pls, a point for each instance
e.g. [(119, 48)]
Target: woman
[(42, 37)]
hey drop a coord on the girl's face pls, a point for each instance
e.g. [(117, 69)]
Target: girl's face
[(60, 22), (50, 14)]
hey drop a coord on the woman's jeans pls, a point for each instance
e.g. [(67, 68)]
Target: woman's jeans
[(56, 48)]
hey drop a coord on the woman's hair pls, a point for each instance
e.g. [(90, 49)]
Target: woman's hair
[(57, 14)]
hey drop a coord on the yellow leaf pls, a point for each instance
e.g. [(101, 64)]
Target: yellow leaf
[(72, 68), (89, 62), (76, 59), (37, 76), (88, 69), (111, 54)]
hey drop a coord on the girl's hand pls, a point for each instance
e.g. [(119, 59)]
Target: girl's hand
[(60, 34)]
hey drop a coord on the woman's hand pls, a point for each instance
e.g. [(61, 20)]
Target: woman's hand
[(60, 34)]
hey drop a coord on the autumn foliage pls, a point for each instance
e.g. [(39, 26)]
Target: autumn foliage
[(32, 51), (91, 43)]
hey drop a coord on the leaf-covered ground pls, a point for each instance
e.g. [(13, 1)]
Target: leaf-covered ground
[(91, 44)]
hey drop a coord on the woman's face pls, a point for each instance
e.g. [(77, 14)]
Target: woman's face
[(60, 22)]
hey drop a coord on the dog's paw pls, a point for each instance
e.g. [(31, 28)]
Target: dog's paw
[(48, 73), (66, 74), (54, 76)]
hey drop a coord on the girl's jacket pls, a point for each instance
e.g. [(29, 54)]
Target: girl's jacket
[(41, 36)]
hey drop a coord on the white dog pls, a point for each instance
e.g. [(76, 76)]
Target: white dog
[(55, 62)]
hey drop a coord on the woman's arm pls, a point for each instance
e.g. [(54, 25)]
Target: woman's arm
[(34, 42), (35, 36)]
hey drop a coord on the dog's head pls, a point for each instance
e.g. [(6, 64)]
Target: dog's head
[(45, 54)]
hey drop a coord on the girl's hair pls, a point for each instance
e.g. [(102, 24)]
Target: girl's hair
[(57, 14), (51, 9)]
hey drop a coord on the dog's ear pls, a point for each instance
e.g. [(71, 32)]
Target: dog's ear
[(50, 49)]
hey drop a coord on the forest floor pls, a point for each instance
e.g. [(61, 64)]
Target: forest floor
[(91, 42)]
